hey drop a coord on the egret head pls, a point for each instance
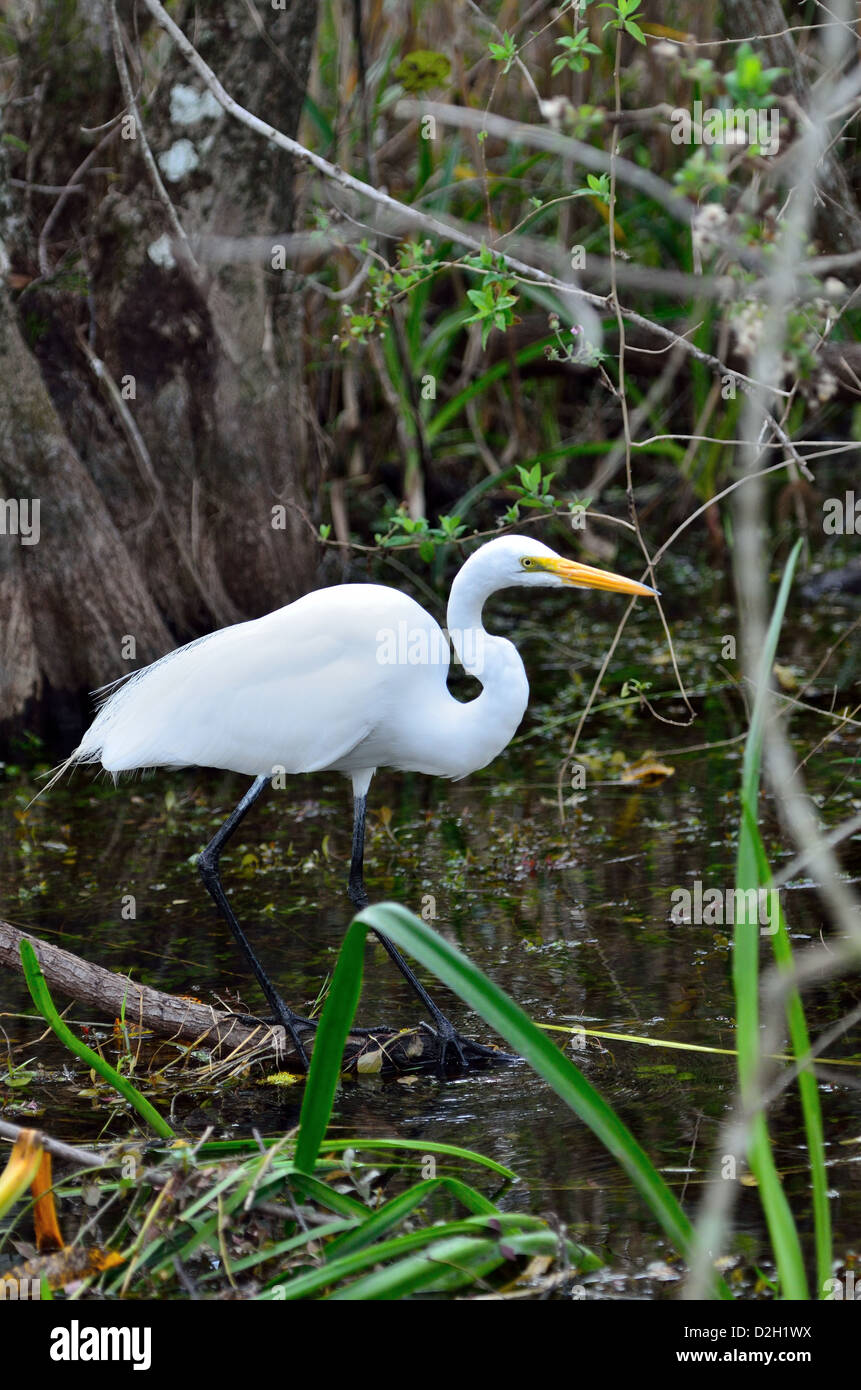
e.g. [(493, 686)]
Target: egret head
[(520, 560)]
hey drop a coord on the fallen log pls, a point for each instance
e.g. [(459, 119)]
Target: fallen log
[(385, 1050)]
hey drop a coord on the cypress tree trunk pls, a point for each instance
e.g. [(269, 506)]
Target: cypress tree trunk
[(157, 411)]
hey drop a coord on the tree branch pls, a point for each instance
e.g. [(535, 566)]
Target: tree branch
[(182, 1020)]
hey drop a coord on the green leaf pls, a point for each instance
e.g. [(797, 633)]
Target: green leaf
[(505, 52), (807, 1083), (506, 1018), (41, 997), (422, 1146), (745, 971), (429, 1239), (449, 1264), (392, 1213)]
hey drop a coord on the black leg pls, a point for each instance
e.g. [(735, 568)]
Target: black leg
[(464, 1048), (208, 864), (356, 887)]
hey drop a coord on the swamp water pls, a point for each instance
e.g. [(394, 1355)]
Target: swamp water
[(573, 920)]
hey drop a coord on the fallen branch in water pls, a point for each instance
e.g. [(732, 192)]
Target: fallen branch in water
[(167, 1016)]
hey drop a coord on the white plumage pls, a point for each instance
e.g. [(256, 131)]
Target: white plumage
[(347, 679)]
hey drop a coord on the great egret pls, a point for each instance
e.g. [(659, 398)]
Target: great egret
[(346, 679)]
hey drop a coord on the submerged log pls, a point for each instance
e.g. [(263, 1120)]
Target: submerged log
[(388, 1051)]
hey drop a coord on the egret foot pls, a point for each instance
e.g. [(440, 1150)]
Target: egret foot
[(466, 1051), (254, 1020)]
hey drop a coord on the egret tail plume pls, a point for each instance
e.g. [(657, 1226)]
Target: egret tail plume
[(54, 773)]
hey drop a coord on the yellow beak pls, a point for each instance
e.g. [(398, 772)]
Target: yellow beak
[(587, 577)]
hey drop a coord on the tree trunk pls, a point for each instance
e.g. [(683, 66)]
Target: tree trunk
[(68, 584), (156, 411)]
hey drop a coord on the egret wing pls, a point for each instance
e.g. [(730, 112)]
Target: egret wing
[(296, 689)]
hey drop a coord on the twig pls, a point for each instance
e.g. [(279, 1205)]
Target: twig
[(47, 226), (161, 192), (81, 1158)]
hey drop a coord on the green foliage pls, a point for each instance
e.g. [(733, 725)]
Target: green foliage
[(624, 11), (505, 52), (703, 75), (506, 1018), (599, 185), (574, 52), (44, 1003), (749, 83), (705, 169), (534, 488), (633, 687), (493, 302), (574, 348), (386, 286), (406, 530), (337, 1237), (782, 1229)]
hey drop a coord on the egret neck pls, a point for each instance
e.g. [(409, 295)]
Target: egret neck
[(488, 723)]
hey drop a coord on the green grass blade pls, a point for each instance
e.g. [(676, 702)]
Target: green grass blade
[(468, 1259), (41, 997), (312, 1190), (752, 764), (781, 1226), (454, 969), (283, 1247), (333, 1272), (424, 1147), (808, 1088), (393, 1212), (218, 1148), (325, 1070)]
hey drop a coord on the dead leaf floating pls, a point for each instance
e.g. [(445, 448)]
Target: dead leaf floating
[(647, 773)]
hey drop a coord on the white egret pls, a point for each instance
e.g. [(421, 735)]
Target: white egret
[(346, 679)]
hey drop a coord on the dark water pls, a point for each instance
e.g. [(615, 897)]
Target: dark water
[(572, 920)]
